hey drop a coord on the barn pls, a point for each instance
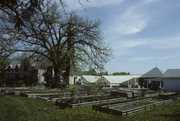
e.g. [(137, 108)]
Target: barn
[(171, 80)]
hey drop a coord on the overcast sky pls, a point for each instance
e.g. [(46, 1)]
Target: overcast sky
[(142, 33)]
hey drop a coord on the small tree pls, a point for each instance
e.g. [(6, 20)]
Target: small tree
[(73, 89), (92, 88)]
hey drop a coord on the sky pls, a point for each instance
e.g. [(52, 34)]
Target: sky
[(143, 34)]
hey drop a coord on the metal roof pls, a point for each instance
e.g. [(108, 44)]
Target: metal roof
[(172, 73), (120, 78), (90, 78), (155, 72)]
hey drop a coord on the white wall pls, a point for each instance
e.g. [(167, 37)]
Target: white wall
[(41, 76), (130, 83), (114, 85), (171, 85), (71, 80)]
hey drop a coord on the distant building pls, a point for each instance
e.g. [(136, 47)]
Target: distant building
[(118, 81), (16, 72), (87, 79), (152, 79), (171, 80)]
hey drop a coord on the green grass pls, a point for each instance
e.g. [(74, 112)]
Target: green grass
[(16, 108), (149, 101)]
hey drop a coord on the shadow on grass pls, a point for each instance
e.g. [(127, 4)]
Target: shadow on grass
[(2, 95), (175, 116)]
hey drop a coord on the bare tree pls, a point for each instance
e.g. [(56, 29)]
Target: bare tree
[(63, 39), (22, 10)]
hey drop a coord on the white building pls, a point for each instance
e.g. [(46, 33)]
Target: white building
[(171, 80), (87, 79), (116, 81)]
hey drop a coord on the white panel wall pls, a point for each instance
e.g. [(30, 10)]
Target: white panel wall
[(114, 85), (41, 76), (171, 85), (71, 80)]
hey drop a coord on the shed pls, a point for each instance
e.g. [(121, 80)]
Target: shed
[(171, 80)]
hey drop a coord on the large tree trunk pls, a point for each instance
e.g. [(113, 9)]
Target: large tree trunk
[(57, 76), (70, 72), (70, 61)]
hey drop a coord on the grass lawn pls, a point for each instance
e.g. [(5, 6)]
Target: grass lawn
[(16, 108)]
